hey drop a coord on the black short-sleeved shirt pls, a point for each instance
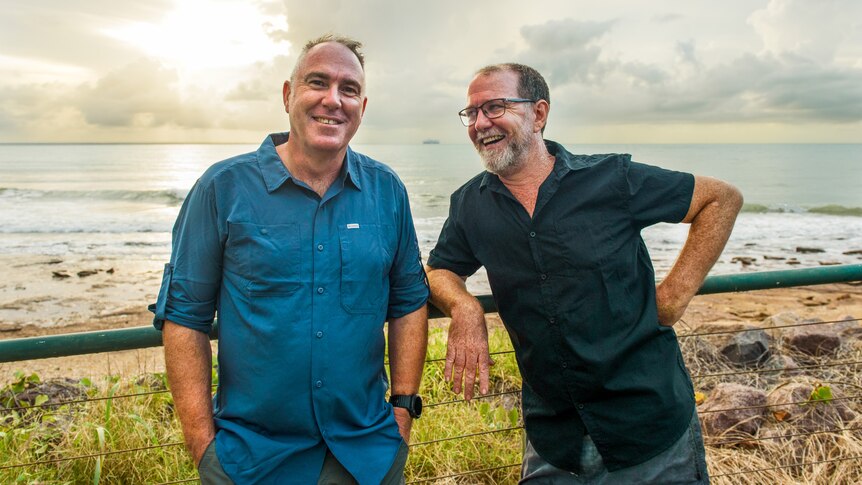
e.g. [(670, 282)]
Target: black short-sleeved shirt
[(575, 288)]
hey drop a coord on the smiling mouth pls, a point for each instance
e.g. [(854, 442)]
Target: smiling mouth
[(490, 140), (326, 121)]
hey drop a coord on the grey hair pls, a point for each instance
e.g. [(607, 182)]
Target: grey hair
[(531, 84), (353, 45)]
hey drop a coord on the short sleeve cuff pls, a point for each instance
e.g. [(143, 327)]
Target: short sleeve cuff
[(436, 262)]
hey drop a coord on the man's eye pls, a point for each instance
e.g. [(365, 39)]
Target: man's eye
[(316, 83), (495, 108), (350, 91)]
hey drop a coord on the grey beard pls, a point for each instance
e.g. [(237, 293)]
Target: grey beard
[(504, 162)]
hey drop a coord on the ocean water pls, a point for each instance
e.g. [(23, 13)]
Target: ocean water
[(121, 200)]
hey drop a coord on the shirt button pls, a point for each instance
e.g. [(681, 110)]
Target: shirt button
[(264, 231), (320, 247), (552, 320), (320, 290), (532, 234), (564, 365), (580, 406), (319, 334), (544, 276), (318, 384)]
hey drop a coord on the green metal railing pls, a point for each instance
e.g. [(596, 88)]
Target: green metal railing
[(145, 337)]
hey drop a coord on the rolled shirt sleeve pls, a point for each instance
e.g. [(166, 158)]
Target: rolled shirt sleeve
[(408, 287), (191, 281), (453, 251)]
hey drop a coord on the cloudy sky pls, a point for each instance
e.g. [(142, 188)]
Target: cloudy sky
[(674, 71)]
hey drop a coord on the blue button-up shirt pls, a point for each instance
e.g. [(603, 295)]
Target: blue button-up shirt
[(302, 286)]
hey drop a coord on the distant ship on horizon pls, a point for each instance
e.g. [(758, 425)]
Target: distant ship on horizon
[(431, 141)]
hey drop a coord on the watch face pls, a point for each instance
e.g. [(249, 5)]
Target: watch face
[(413, 404), (417, 406)]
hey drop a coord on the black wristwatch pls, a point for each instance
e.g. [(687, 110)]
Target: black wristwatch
[(412, 403)]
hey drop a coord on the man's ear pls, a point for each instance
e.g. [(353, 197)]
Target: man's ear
[(541, 109), (364, 103), (285, 94)]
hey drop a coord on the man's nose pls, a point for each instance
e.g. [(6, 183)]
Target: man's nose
[(332, 99), (482, 121)]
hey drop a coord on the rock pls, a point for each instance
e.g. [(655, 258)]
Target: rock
[(792, 403), (804, 250), (745, 260), (814, 300), (733, 409), (813, 340), (783, 363), (849, 322), (774, 258), (87, 272), (750, 245), (743, 344), (60, 275), (793, 261), (854, 252), (829, 263), (773, 324)]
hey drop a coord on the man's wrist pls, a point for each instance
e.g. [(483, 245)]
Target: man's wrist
[(409, 403)]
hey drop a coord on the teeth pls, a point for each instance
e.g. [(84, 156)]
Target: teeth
[(491, 139), (326, 121)]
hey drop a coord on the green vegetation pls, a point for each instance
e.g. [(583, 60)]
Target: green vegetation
[(86, 441), (136, 413)]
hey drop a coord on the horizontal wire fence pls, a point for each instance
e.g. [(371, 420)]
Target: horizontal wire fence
[(510, 429)]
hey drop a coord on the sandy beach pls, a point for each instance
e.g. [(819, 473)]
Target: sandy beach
[(44, 295)]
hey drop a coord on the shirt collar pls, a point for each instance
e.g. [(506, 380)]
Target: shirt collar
[(275, 174)]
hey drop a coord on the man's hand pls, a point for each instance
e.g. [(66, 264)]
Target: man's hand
[(198, 447), (405, 422), (467, 350)]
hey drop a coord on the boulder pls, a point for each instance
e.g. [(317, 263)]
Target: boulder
[(733, 409), (812, 340), (773, 324), (743, 344), (791, 403)]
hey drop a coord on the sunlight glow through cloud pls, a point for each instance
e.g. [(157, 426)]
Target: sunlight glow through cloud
[(202, 34)]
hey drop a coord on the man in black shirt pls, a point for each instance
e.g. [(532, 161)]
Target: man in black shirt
[(606, 396)]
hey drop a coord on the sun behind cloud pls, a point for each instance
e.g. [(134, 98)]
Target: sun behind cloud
[(206, 34)]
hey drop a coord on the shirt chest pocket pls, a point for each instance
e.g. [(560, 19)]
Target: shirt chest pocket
[(366, 258), (265, 254)]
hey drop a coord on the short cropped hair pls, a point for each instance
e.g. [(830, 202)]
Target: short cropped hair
[(353, 45), (531, 84)]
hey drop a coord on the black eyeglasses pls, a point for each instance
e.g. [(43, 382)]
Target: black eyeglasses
[(493, 108)]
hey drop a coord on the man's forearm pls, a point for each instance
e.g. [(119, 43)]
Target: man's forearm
[(467, 347), (188, 360), (449, 291), (712, 220), (408, 342)]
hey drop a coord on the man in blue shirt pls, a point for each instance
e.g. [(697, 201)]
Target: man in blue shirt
[(606, 397), (303, 248)]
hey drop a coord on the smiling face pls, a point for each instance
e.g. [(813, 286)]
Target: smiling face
[(501, 142), (325, 99)]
